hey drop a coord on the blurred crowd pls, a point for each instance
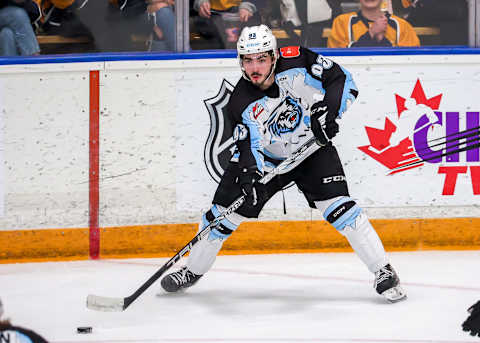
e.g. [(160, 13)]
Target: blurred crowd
[(149, 25)]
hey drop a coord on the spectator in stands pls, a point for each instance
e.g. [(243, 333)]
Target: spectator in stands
[(245, 9), (11, 333), (117, 25), (451, 16), (224, 19), (60, 18), (371, 27), (17, 37), (311, 17), (164, 33)]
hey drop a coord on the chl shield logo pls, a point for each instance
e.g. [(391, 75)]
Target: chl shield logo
[(220, 144)]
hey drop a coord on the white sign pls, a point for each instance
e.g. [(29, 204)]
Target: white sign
[(405, 114)]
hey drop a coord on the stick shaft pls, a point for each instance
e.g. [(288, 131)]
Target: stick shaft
[(103, 303)]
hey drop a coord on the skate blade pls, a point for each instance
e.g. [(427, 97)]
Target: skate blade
[(395, 294)]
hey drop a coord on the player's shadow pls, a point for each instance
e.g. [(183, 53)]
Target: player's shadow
[(239, 300)]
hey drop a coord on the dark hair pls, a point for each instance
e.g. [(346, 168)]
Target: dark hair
[(4, 324), (270, 52)]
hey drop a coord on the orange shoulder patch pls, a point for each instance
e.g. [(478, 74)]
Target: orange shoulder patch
[(290, 51)]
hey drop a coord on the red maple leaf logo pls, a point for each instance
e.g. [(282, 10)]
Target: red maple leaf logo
[(402, 154)]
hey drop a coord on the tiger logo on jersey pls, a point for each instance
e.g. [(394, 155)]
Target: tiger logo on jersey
[(286, 117)]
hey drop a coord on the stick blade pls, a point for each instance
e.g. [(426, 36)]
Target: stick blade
[(105, 304)]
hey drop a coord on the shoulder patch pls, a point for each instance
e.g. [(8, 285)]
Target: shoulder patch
[(290, 51), (257, 110)]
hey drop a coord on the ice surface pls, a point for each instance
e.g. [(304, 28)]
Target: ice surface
[(257, 298)]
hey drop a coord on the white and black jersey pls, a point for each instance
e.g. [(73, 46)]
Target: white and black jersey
[(10, 333), (273, 123)]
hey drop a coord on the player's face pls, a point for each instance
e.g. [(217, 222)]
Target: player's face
[(257, 67), (370, 4)]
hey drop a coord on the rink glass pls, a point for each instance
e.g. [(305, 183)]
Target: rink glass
[(175, 26)]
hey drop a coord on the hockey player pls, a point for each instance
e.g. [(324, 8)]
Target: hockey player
[(13, 333), (284, 98), (472, 323)]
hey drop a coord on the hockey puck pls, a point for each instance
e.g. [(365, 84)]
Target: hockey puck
[(84, 329)]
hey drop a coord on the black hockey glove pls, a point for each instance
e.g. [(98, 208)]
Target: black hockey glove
[(248, 183), (472, 324), (323, 123)]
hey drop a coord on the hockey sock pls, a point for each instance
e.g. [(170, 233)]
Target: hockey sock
[(203, 254), (350, 220)]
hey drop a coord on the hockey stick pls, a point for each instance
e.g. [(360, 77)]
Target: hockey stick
[(110, 304)]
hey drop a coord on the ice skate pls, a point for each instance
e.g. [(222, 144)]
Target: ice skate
[(178, 280), (387, 284)]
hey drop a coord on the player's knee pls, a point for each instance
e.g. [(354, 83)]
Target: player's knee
[(224, 228), (342, 212)]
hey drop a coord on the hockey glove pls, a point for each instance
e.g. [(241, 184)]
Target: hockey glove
[(248, 183), (323, 123), (472, 323)]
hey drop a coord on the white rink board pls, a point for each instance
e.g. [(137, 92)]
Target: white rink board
[(45, 148), (153, 129), (2, 153), (457, 82)]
